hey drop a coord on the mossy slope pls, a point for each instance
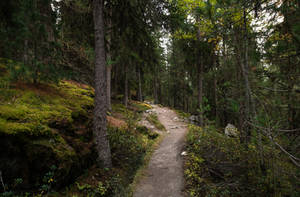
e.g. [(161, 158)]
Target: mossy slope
[(43, 125), (46, 140)]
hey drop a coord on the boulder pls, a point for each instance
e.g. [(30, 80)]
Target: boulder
[(231, 130), (193, 119)]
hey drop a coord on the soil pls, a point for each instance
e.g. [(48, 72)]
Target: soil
[(164, 175)]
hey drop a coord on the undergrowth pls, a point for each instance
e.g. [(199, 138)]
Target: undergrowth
[(153, 119), (129, 147), (45, 125), (182, 114), (217, 165)]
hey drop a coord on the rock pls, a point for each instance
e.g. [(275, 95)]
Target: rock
[(149, 111), (174, 127), (184, 153), (149, 102), (231, 130), (193, 119), (175, 119)]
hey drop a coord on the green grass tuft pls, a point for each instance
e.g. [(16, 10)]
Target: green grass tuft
[(153, 119)]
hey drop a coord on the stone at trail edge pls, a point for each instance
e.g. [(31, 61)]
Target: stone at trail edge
[(231, 130), (184, 153)]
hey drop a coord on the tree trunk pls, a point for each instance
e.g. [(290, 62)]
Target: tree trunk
[(200, 81), (109, 57), (215, 64), (115, 81), (155, 91), (244, 112), (100, 129), (155, 86), (169, 87), (200, 92), (126, 86), (159, 96), (108, 73), (249, 109), (140, 95), (25, 54)]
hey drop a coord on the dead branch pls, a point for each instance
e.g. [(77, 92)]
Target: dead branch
[(269, 135)]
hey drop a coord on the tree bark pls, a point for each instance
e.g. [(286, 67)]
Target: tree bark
[(108, 73), (159, 89), (215, 66), (109, 57), (245, 70), (100, 129), (155, 81), (155, 91), (200, 81), (245, 112), (200, 92), (126, 86), (25, 54), (140, 95)]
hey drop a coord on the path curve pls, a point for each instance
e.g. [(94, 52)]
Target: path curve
[(164, 175)]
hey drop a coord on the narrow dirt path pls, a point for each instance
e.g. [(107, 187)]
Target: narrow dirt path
[(164, 176)]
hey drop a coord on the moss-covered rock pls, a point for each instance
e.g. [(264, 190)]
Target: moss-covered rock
[(44, 125)]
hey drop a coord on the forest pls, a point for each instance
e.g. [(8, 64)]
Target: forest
[(141, 98)]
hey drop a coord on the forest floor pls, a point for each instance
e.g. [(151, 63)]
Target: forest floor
[(164, 174)]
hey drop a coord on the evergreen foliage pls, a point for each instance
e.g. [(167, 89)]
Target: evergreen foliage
[(233, 61)]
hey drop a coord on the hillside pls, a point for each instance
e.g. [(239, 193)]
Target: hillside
[(46, 139)]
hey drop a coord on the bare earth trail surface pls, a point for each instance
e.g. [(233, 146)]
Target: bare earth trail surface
[(164, 175)]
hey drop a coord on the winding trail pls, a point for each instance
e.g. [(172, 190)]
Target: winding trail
[(164, 175)]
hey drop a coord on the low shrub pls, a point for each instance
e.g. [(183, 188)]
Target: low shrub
[(218, 165)]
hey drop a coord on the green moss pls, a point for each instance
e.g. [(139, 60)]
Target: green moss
[(30, 98), (7, 95), (34, 111), (13, 112), (140, 106), (45, 122), (59, 146), (30, 129)]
